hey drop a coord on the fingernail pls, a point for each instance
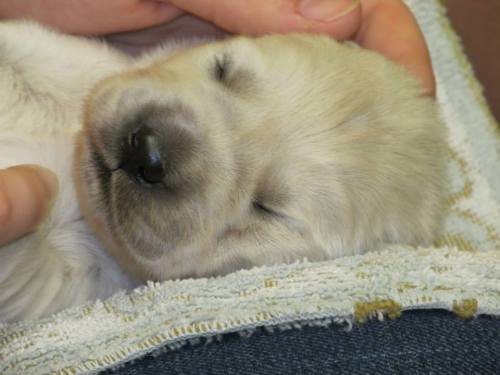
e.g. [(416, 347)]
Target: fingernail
[(326, 10)]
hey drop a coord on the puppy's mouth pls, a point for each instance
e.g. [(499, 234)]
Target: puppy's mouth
[(109, 199)]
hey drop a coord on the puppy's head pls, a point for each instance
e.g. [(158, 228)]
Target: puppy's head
[(222, 157)]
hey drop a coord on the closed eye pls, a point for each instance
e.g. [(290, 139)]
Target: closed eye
[(221, 67), (263, 209)]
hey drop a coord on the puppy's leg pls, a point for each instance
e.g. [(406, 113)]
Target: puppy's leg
[(42, 273), (44, 78)]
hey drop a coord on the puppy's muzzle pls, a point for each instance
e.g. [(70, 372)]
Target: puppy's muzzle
[(157, 142), (142, 159)]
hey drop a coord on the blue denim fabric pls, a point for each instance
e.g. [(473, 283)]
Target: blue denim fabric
[(420, 342)]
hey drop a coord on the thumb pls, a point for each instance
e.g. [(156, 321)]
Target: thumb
[(26, 194), (338, 18)]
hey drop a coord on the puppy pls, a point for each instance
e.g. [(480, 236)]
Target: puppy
[(199, 161)]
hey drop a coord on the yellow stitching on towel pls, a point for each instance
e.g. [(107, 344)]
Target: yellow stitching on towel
[(263, 315), (364, 311), (455, 240), (109, 308), (67, 371), (363, 275), (270, 283), (464, 169), (454, 198), (406, 286), (7, 339), (465, 309), (441, 269), (455, 155), (490, 230), (248, 292)]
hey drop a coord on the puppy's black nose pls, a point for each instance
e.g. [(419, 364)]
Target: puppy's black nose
[(142, 159)]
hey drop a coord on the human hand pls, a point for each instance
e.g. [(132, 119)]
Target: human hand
[(26, 192), (386, 26), (91, 17)]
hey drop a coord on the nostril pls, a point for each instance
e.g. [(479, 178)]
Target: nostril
[(151, 173), (142, 158), (132, 141)]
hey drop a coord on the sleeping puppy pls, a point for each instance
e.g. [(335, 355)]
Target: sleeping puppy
[(199, 161)]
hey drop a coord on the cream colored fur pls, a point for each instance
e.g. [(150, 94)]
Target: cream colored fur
[(337, 144)]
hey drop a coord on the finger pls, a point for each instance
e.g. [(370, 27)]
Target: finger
[(123, 16), (334, 17), (25, 195), (91, 17), (389, 27)]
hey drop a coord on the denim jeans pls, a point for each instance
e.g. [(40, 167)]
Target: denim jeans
[(420, 342)]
